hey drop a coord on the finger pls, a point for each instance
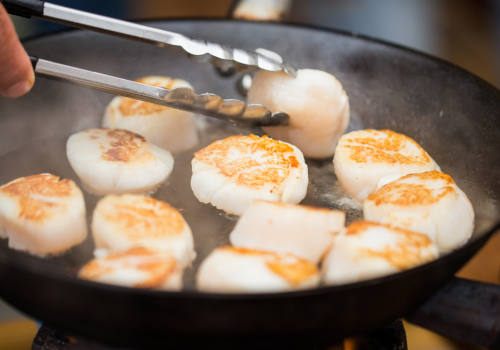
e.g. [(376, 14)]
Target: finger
[(16, 73)]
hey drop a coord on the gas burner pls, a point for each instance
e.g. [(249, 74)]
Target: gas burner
[(391, 337)]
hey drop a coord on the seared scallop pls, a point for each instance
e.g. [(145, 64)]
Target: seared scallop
[(232, 172), (367, 250), (306, 232), (42, 215), (137, 267), (239, 270), (368, 159), (168, 128), (127, 221), (429, 203), (117, 161), (316, 103)]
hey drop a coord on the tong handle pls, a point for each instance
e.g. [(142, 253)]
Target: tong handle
[(24, 8)]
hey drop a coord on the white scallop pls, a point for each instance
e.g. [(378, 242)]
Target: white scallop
[(304, 231), (367, 159), (42, 215), (117, 161), (316, 103), (429, 203), (238, 270), (367, 250), (233, 172), (168, 128), (123, 222), (136, 267)]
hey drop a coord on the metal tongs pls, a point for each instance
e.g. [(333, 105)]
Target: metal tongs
[(222, 56)]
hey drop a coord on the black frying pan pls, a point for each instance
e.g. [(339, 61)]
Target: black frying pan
[(451, 113)]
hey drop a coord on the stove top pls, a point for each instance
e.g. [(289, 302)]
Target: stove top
[(391, 337)]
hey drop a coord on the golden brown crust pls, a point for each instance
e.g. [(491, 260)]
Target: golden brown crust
[(386, 150), (431, 175), (290, 267), (157, 267), (26, 188), (142, 217), (405, 254), (124, 147), (407, 194), (130, 107), (294, 272), (274, 164), (243, 251)]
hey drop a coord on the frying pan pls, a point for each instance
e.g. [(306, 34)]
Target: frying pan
[(450, 112)]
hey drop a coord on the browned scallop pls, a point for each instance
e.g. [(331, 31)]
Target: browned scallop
[(232, 172), (42, 214), (367, 250), (168, 128), (368, 159), (127, 221), (429, 203), (240, 270), (117, 161), (137, 267)]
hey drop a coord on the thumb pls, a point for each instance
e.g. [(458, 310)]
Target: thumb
[(16, 73)]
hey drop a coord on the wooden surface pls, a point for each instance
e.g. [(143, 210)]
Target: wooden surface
[(17, 334), (485, 266)]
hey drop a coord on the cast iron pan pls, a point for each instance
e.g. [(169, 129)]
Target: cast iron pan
[(451, 113)]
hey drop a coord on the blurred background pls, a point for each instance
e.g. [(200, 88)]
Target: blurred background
[(464, 32)]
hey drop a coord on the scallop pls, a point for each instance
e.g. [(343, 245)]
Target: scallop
[(42, 214), (168, 128), (137, 267), (117, 161), (240, 270), (429, 203), (304, 231), (233, 172), (367, 250), (128, 221), (367, 159), (316, 103)]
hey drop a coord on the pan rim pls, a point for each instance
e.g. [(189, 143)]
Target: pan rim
[(476, 243)]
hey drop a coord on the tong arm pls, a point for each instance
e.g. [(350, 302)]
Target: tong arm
[(180, 98), (223, 56)]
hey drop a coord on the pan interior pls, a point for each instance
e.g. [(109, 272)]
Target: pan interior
[(450, 113)]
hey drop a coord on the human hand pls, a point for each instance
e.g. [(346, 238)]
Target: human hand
[(16, 73)]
